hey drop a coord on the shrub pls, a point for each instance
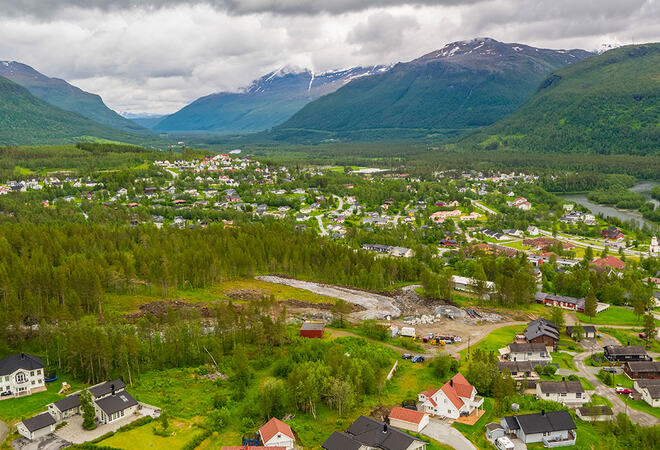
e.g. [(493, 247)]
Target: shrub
[(549, 370), (197, 440)]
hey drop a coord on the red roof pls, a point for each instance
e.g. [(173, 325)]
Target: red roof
[(429, 392), (251, 447), (452, 396), (609, 261), (407, 415), (457, 387), (272, 427)]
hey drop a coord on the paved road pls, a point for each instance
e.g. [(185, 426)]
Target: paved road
[(446, 434), (618, 405), (484, 208), (319, 218), (173, 173), (577, 243)]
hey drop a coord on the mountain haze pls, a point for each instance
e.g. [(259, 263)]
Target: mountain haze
[(267, 102), (609, 103), (462, 86), (59, 93)]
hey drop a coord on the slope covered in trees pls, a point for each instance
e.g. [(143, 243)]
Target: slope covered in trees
[(606, 104)]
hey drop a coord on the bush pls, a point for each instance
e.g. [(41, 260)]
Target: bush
[(573, 378), (61, 425), (549, 370), (197, 440), (136, 423)]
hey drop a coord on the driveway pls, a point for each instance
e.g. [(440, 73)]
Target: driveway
[(48, 442), (640, 418), (448, 435), (4, 431), (74, 432)]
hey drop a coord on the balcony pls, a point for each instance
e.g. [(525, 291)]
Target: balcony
[(477, 402), (560, 442)]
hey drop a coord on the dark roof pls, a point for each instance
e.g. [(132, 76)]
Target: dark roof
[(530, 347), (493, 426), (600, 410), (371, 432), (118, 402), (545, 422), (70, 402), (512, 423), (312, 326), (539, 329), (106, 388), (38, 422), (543, 321), (558, 387), (12, 363), (653, 387), (540, 296), (515, 366), (624, 350), (644, 366), (340, 441), (586, 328)]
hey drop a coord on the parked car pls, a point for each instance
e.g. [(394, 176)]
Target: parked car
[(623, 390), (5, 393), (610, 369), (406, 356), (418, 359), (409, 404)]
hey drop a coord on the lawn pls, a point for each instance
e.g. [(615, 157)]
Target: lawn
[(494, 341), (144, 438), (631, 335), (614, 315), (16, 409), (477, 433), (564, 360), (641, 405)]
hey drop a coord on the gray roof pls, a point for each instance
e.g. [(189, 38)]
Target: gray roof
[(512, 423), (371, 432), (561, 298), (312, 326), (12, 363), (515, 366), (114, 403), (70, 402), (106, 388), (38, 422), (644, 366), (558, 387), (586, 328), (539, 329), (528, 347), (543, 321), (599, 410), (545, 422), (341, 441), (624, 350)]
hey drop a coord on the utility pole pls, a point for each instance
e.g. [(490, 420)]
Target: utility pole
[(468, 348)]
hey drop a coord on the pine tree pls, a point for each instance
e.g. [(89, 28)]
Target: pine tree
[(649, 326), (590, 304), (88, 413)]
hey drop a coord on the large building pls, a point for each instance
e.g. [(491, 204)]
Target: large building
[(642, 370), (623, 353), (553, 429), (562, 301), (22, 375), (542, 331)]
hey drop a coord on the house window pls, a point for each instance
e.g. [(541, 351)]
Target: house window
[(39, 372), (7, 378), (563, 394), (32, 382), (20, 377), (547, 394), (578, 395), (32, 373)]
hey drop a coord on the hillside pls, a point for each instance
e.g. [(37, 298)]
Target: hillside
[(59, 93), (464, 85), (267, 102), (28, 120), (606, 104)]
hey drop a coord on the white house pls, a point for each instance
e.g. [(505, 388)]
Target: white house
[(22, 375), (528, 352), (532, 230), (456, 397), (650, 390), (277, 434), (408, 419), (37, 426), (569, 393), (554, 429)]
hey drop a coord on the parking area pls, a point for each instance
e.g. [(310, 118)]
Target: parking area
[(49, 442), (443, 432)]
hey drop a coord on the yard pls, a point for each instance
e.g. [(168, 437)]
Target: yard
[(16, 409), (631, 335), (495, 340), (143, 437), (614, 315)]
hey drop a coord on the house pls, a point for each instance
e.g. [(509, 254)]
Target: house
[(65, 408), (367, 434), (613, 233), (650, 390), (312, 329), (457, 397), (589, 331), (252, 447), (466, 284), (570, 393), (597, 413), (528, 352), (541, 243), (654, 248), (622, 353), (22, 374), (532, 230), (610, 262), (642, 370), (408, 419), (401, 252), (37, 426), (542, 331), (553, 429), (494, 431), (513, 232), (278, 434), (562, 301)]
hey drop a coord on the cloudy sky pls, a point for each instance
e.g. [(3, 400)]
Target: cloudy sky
[(158, 55)]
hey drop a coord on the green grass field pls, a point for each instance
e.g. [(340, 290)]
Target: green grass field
[(143, 438), (564, 360), (495, 340), (641, 405), (15, 409), (631, 335), (614, 315)]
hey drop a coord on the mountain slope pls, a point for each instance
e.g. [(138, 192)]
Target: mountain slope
[(267, 102), (59, 93), (606, 104), (28, 120), (464, 85)]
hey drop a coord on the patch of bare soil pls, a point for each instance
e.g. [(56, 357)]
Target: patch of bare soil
[(321, 306), (246, 294), (160, 309), (380, 412)]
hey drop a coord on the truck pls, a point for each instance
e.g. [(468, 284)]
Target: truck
[(407, 332)]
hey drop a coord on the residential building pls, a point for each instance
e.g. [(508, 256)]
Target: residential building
[(654, 248), (569, 393), (553, 429), (532, 230), (528, 352), (597, 413), (457, 397), (312, 329), (610, 262), (519, 370), (466, 284), (613, 233), (277, 434), (37, 426), (408, 419), (562, 301), (542, 331), (622, 353), (650, 390), (589, 331), (370, 434), (642, 370), (22, 375)]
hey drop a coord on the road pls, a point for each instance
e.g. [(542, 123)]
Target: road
[(482, 207), (588, 372), (319, 218), (173, 173), (577, 243), (448, 435)]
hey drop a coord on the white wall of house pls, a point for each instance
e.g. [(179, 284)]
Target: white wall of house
[(102, 417), (23, 431), (280, 440), (573, 398), (23, 382), (62, 415), (410, 426), (538, 437), (530, 356), (646, 396)]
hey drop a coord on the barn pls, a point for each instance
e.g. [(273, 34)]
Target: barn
[(312, 330)]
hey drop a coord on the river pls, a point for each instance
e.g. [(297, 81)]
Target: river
[(643, 188)]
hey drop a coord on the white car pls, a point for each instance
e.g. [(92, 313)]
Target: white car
[(504, 443)]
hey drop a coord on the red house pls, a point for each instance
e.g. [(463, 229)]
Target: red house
[(312, 330), (609, 261)]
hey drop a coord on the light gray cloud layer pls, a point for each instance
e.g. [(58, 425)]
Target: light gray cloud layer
[(157, 56)]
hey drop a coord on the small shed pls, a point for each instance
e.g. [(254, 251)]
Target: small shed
[(312, 329), (37, 426), (408, 419), (494, 431)]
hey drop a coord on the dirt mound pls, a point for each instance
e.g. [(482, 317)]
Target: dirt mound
[(322, 306), (160, 309), (380, 412), (246, 294)]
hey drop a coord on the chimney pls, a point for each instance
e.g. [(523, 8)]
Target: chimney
[(563, 378), (451, 382), (543, 412), (112, 386), (384, 428), (22, 355)]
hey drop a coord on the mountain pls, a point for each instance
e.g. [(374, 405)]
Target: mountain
[(464, 85), (59, 93), (609, 103), (144, 119), (267, 102), (28, 120)]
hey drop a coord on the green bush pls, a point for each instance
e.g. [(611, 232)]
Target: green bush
[(197, 440)]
